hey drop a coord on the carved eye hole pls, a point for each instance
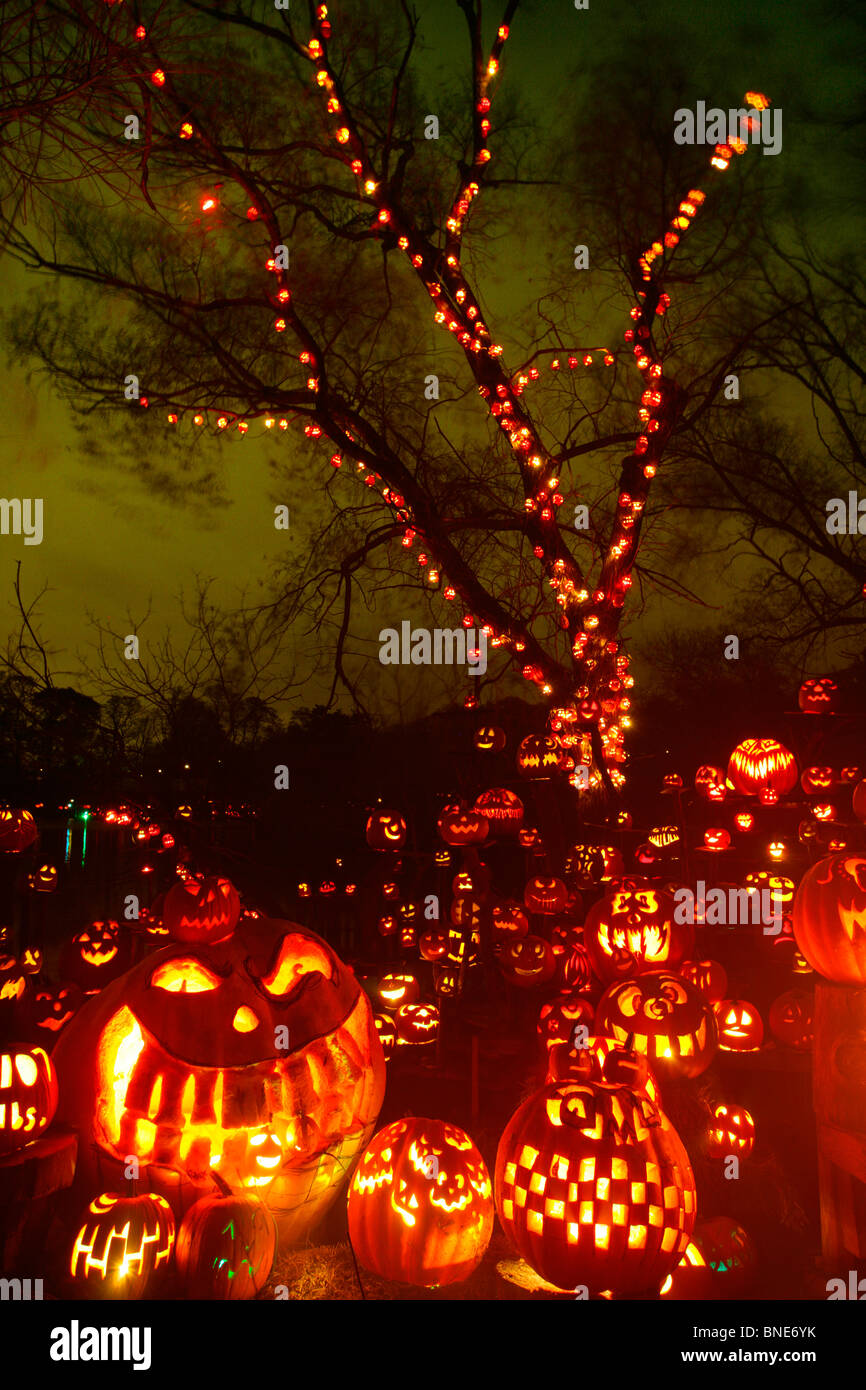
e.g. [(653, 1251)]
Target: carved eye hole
[(184, 977), (298, 956)]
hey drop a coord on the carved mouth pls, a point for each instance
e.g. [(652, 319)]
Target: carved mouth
[(200, 1118)]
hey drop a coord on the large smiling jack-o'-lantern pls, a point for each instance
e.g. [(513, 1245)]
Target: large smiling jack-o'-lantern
[(256, 1057), (632, 929)]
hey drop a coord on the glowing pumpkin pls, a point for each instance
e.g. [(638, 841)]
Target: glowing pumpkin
[(502, 809), (201, 910), (421, 1204), (830, 918), (489, 739), (539, 756), (732, 1131), (18, 830), (225, 1246), (594, 1188), (28, 1096), (458, 826), (759, 764), (632, 929), (386, 830), (740, 1026), (528, 961), (256, 1057), (818, 695), (664, 1018), (792, 1019), (121, 1244)]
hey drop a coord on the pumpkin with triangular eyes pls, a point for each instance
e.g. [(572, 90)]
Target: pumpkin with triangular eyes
[(662, 1017), (204, 909), (818, 695), (740, 1026), (97, 954), (203, 1054)]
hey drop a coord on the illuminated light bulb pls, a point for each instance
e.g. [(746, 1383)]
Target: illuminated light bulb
[(757, 101), (270, 422), (243, 426), (207, 203), (370, 186), (336, 460), (322, 78), (719, 163), (312, 383), (671, 239), (144, 402), (484, 156), (333, 106), (158, 78), (608, 359), (283, 296), (502, 31), (280, 325), (314, 48), (449, 593), (403, 243), (284, 424), (384, 216), (650, 470), (492, 68)]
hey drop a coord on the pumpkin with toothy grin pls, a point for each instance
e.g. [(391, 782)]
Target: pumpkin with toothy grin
[(256, 1057)]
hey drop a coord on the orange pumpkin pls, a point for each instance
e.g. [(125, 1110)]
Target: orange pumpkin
[(759, 764), (28, 1096), (830, 918), (226, 1246), (421, 1204), (122, 1242)]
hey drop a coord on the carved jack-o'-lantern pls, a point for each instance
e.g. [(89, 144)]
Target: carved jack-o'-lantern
[(458, 826), (53, 1006), (201, 910), (13, 987), (817, 781), (663, 1017), (121, 1244), (433, 943), (417, 1024), (421, 1204), (708, 976), (632, 929), (818, 695), (30, 960), (717, 839), (710, 783), (96, 955), (387, 1031), (43, 879), (792, 1019), (740, 1026), (489, 739), (529, 961), (203, 1053), (762, 763), (585, 865), (539, 756), (732, 1131), (18, 830), (509, 920), (386, 830), (830, 918), (395, 990), (28, 1096), (447, 980), (226, 1246), (858, 800), (594, 1187), (545, 895), (559, 1018), (502, 809)]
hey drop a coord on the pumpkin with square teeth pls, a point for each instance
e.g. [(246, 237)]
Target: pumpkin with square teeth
[(421, 1204), (633, 929), (662, 1017), (227, 1056), (830, 918), (594, 1187)]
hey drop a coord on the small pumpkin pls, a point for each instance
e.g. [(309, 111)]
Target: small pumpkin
[(121, 1243), (28, 1095), (226, 1246)]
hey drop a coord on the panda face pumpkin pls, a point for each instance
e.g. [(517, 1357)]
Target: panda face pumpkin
[(662, 1017)]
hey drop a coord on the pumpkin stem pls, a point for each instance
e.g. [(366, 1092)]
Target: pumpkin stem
[(225, 1190)]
